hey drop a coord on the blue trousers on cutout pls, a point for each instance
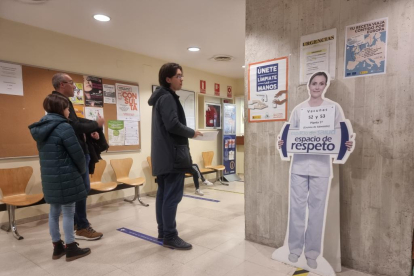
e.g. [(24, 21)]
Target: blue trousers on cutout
[(169, 194), (80, 210)]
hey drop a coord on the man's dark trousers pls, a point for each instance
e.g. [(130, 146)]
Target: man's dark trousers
[(80, 208), (169, 194)]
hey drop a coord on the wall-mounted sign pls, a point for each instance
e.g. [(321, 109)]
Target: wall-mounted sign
[(317, 53), (229, 92), (268, 84), (217, 89), (202, 86), (366, 48)]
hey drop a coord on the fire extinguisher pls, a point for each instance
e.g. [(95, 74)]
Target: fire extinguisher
[(211, 117)]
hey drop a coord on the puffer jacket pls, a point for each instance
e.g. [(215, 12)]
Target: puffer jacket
[(62, 161), (168, 129)]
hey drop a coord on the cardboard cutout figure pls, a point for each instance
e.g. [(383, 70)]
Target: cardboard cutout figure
[(316, 136)]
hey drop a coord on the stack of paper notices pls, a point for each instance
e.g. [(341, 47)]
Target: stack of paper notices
[(207, 136)]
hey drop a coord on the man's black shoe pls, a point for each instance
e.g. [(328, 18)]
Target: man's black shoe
[(177, 243)]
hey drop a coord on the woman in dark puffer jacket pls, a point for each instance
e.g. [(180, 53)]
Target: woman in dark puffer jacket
[(62, 164)]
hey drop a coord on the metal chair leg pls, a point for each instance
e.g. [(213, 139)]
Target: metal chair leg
[(7, 226), (13, 223), (11, 210), (136, 196), (221, 179), (139, 198)]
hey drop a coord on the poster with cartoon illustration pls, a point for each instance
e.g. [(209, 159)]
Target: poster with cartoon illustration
[(316, 136), (267, 90), (78, 94)]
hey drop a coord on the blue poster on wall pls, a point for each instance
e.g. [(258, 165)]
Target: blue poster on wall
[(229, 138), (229, 154)]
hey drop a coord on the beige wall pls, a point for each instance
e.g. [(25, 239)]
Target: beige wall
[(376, 183), (34, 46), (239, 90)]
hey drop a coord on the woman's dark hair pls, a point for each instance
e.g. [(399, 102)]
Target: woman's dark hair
[(168, 70), (55, 103), (319, 74)]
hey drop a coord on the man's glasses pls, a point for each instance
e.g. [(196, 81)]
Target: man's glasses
[(70, 82), (179, 77)]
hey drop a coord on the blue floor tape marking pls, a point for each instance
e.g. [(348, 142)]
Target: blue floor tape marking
[(139, 235), (202, 198)]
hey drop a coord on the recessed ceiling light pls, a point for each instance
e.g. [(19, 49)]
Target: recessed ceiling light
[(193, 49), (243, 66), (101, 17)]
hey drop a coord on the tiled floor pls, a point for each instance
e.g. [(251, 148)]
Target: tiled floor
[(216, 231)]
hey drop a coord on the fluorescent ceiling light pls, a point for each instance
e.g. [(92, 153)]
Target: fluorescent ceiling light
[(101, 17), (243, 66), (193, 49)]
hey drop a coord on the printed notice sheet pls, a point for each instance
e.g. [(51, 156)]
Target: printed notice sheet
[(127, 102), (317, 53), (93, 113), (109, 94), (207, 136), (11, 80), (116, 133), (131, 133)]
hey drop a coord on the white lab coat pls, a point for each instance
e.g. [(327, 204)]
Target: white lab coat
[(310, 175)]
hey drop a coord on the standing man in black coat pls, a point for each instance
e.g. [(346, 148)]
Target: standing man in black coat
[(64, 85), (170, 152)]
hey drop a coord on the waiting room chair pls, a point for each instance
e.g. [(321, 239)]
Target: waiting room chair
[(13, 183), (96, 178), (122, 167), (208, 159)]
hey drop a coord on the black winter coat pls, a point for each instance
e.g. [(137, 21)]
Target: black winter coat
[(169, 128), (81, 126), (62, 161)]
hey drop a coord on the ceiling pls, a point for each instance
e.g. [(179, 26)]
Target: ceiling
[(162, 29)]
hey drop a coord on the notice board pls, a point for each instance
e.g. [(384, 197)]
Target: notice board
[(18, 112)]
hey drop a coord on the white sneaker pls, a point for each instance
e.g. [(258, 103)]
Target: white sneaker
[(208, 183), (199, 192)]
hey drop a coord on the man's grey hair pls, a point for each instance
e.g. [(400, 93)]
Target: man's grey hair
[(57, 79)]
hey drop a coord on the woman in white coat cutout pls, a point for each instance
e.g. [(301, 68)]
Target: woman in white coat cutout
[(309, 183)]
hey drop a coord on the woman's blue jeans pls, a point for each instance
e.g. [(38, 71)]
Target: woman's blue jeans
[(68, 211)]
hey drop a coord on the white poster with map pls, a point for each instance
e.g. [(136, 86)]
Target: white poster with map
[(366, 48)]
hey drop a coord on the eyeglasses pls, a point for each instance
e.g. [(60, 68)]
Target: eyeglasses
[(179, 77), (70, 82)]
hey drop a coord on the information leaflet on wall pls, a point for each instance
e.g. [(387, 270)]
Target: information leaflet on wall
[(317, 53), (229, 138), (268, 83), (109, 94), (79, 110), (78, 94), (11, 80), (131, 133), (116, 133), (127, 102), (366, 48), (93, 113)]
